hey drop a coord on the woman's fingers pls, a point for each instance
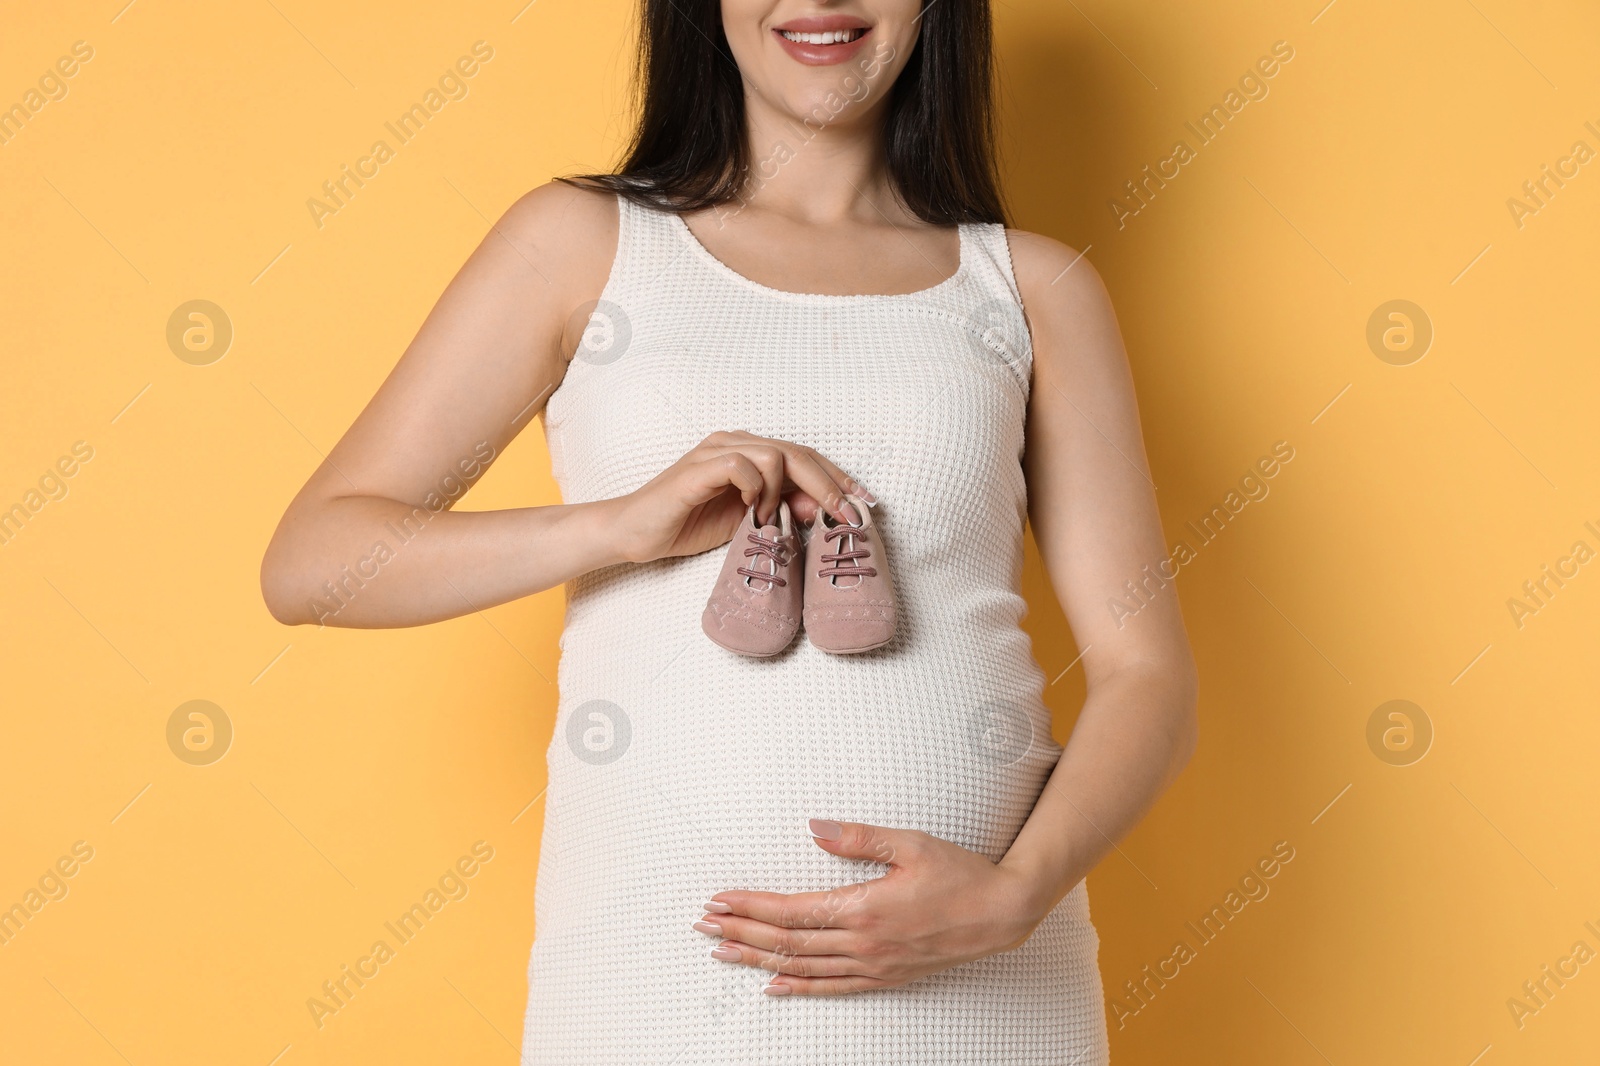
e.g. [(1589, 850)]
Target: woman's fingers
[(818, 479), (697, 502), (710, 477), (769, 460), (849, 483), (799, 910), (753, 453), (784, 985), (794, 965), (775, 938), (858, 840)]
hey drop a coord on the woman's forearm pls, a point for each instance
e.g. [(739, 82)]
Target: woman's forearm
[(366, 562), (1136, 731)]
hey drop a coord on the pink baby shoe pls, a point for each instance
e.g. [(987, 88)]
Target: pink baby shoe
[(755, 607), (849, 599)]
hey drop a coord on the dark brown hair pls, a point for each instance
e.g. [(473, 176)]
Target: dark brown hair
[(688, 151)]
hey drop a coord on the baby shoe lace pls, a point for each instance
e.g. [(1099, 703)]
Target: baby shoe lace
[(850, 542), (775, 551)]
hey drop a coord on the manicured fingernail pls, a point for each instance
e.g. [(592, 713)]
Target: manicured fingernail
[(708, 927), (725, 954), (776, 990), (823, 829), (848, 512), (716, 908), (861, 490)]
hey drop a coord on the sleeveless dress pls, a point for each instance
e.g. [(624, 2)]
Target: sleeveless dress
[(679, 769)]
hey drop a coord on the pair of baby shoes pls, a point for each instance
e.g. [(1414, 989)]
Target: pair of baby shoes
[(837, 583)]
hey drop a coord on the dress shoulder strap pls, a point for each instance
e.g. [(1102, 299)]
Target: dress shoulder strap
[(992, 267), (991, 302), (648, 243)]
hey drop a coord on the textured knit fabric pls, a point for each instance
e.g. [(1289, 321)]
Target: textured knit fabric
[(679, 769)]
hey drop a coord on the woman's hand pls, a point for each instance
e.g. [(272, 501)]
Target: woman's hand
[(696, 504), (938, 906)]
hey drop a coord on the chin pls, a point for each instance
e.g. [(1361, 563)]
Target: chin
[(816, 106)]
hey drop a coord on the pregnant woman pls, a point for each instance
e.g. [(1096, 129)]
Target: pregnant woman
[(804, 803)]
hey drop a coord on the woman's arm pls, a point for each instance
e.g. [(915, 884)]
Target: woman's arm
[(1093, 510), (370, 541), (479, 370), (1095, 519)]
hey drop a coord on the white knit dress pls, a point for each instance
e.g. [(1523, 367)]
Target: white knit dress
[(679, 769)]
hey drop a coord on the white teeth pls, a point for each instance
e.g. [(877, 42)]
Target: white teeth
[(832, 37)]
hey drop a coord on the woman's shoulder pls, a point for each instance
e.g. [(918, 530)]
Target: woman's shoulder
[(1068, 308), (1045, 266), (568, 232), (562, 208)]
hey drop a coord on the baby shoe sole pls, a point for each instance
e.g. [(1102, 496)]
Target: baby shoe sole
[(748, 654), (855, 651)]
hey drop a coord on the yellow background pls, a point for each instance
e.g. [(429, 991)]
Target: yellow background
[(364, 764)]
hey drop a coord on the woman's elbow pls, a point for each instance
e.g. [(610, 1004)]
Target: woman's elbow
[(281, 585)]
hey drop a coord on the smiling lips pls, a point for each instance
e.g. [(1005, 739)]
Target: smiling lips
[(820, 42)]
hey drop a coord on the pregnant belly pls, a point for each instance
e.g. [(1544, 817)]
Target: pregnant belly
[(710, 788), (689, 768), (672, 783)]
